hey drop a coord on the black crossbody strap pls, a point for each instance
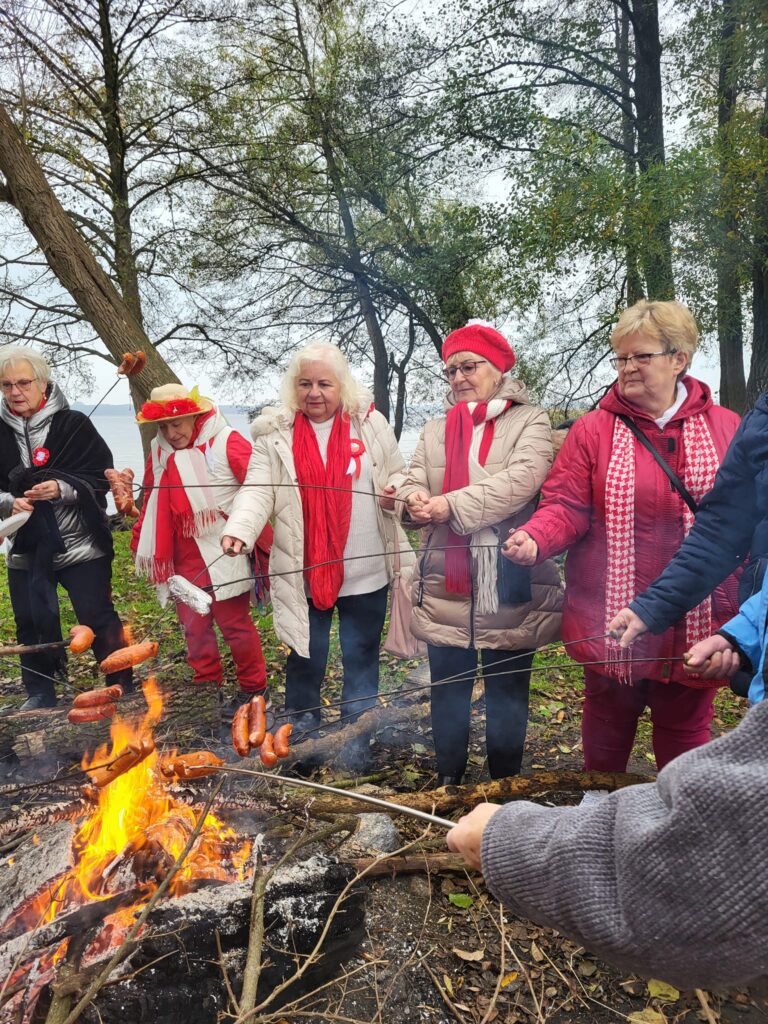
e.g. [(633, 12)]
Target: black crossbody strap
[(674, 479)]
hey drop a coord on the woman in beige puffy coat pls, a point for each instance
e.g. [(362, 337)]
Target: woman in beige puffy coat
[(325, 465), (475, 474)]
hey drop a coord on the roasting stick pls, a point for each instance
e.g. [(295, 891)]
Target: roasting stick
[(388, 805)]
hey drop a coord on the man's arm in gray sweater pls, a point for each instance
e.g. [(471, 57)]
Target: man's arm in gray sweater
[(669, 879)]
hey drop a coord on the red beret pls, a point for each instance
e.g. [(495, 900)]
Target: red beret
[(482, 340)]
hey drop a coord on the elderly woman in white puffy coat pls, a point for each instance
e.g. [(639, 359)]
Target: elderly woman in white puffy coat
[(325, 465)]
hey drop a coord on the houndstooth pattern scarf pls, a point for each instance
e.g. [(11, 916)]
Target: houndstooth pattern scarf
[(701, 465)]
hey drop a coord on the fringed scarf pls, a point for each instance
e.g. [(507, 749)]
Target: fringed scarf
[(460, 424), (182, 500), (701, 464), (326, 501)]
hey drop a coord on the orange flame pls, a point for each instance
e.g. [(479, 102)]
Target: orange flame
[(137, 814)]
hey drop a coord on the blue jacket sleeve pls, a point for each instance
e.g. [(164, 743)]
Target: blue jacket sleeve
[(744, 630), (722, 532)]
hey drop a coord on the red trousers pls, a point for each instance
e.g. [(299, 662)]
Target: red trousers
[(681, 717), (233, 617)]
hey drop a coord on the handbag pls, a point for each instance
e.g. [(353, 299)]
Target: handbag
[(400, 641), (513, 582)]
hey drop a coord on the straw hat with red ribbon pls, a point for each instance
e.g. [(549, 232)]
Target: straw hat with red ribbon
[(172, 402)]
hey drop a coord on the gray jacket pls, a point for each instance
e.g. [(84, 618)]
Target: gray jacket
[(30, 434), (668, 879)]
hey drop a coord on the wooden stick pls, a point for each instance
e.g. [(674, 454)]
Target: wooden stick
[(8, 650)]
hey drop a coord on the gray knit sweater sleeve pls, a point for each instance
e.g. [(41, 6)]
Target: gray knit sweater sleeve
[(669, 879)]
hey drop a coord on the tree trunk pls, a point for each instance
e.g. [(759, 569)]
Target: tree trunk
[(634, 283), (72, 261), (656, 256), (730, 334), (758, 371)]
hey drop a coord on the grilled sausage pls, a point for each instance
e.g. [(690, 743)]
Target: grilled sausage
[(128, 758), (92, 714), (82, 639), (141, 362), (240, 731), (257, 719), (128, 361), (192, 766), (282, 748), (267, 753), (94, 698), (127, 657)]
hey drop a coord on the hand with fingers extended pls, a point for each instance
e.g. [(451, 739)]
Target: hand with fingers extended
[(231, 545), (521, 548), (22, 505), (386, 498), (713, 658), (47, 490), (467, 835), (415, 504), (626, 627)]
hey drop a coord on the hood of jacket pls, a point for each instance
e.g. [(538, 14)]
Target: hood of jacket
[(698, 400), (510, 389), (39, 423)]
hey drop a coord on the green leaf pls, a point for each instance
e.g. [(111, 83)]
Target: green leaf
[(461, 899)]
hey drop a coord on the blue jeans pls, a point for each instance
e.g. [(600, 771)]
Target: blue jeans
[(506, 675), (361, 620)]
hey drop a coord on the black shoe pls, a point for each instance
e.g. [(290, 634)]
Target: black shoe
[(38, 701), (449, 780), (303, 722)]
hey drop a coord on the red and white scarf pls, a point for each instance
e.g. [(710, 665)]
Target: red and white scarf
[(701, 465), (182, 500), (460, 426), (326, 502)]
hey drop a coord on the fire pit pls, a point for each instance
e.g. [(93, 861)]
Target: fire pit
[(72, 891)]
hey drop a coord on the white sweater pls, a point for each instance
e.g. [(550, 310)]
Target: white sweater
[(361, 575)]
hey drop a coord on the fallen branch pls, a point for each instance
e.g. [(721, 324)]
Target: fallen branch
[(326, 748), (432, 864), (451, 798)]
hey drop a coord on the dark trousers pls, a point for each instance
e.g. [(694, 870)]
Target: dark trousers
[(681, 717), (89, 585), (506, 675), (361, 620)]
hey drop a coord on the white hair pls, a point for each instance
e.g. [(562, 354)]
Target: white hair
[(10, 354), (355, 399)]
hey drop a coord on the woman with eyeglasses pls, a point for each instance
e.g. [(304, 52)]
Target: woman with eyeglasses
[(52, 463), (475, 474), (621, 517)]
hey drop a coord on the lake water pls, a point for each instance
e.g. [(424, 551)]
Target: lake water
[(122, 435)]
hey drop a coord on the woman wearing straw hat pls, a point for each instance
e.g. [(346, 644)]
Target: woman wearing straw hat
[(195, 467)]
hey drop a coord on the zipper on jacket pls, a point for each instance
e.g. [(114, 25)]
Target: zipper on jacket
[(420, 590), (28, 442), (471, 608)]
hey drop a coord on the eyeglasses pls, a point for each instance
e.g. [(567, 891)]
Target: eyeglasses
[(23, 385), (467, 369), (642, 359)]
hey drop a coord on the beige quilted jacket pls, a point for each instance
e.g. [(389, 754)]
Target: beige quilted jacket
[(277, 497), (518, 461)]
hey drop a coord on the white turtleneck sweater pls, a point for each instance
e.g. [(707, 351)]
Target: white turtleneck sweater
[(361, 575)]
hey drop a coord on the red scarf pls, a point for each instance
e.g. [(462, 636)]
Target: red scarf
[(459, 428), (326, 512)]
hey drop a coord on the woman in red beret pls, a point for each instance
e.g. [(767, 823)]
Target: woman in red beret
[(475, 474)]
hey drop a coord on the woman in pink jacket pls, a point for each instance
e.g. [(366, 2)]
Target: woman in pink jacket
[(610, 503)]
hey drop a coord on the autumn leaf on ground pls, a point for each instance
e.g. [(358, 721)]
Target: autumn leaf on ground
[(464, 954), (661, 990), (647, 1016)]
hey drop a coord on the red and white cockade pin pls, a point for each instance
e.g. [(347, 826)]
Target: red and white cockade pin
[(357, 450), (40, 456)]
